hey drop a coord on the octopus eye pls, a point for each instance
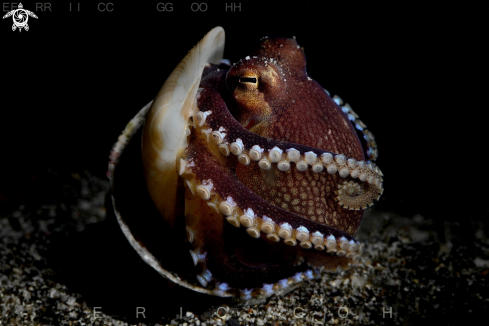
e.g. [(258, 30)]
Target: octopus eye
[(250, 80)]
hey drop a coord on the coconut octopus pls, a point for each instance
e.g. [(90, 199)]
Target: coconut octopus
[(254, 165)]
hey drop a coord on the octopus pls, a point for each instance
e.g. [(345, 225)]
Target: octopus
[(249, 178)]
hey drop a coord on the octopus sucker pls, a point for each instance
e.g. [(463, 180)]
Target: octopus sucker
[(253, 168)]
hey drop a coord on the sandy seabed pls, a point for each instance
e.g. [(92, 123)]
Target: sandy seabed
[(59, 259)]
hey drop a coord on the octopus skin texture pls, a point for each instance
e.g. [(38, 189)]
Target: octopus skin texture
[(267, 174)]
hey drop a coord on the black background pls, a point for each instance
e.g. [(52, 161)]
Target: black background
[(415, 75)]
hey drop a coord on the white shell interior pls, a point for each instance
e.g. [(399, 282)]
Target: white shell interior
[(164, 136)]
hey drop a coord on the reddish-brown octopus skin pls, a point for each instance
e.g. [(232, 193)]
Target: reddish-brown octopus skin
[(270, 95), (300, 112)]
